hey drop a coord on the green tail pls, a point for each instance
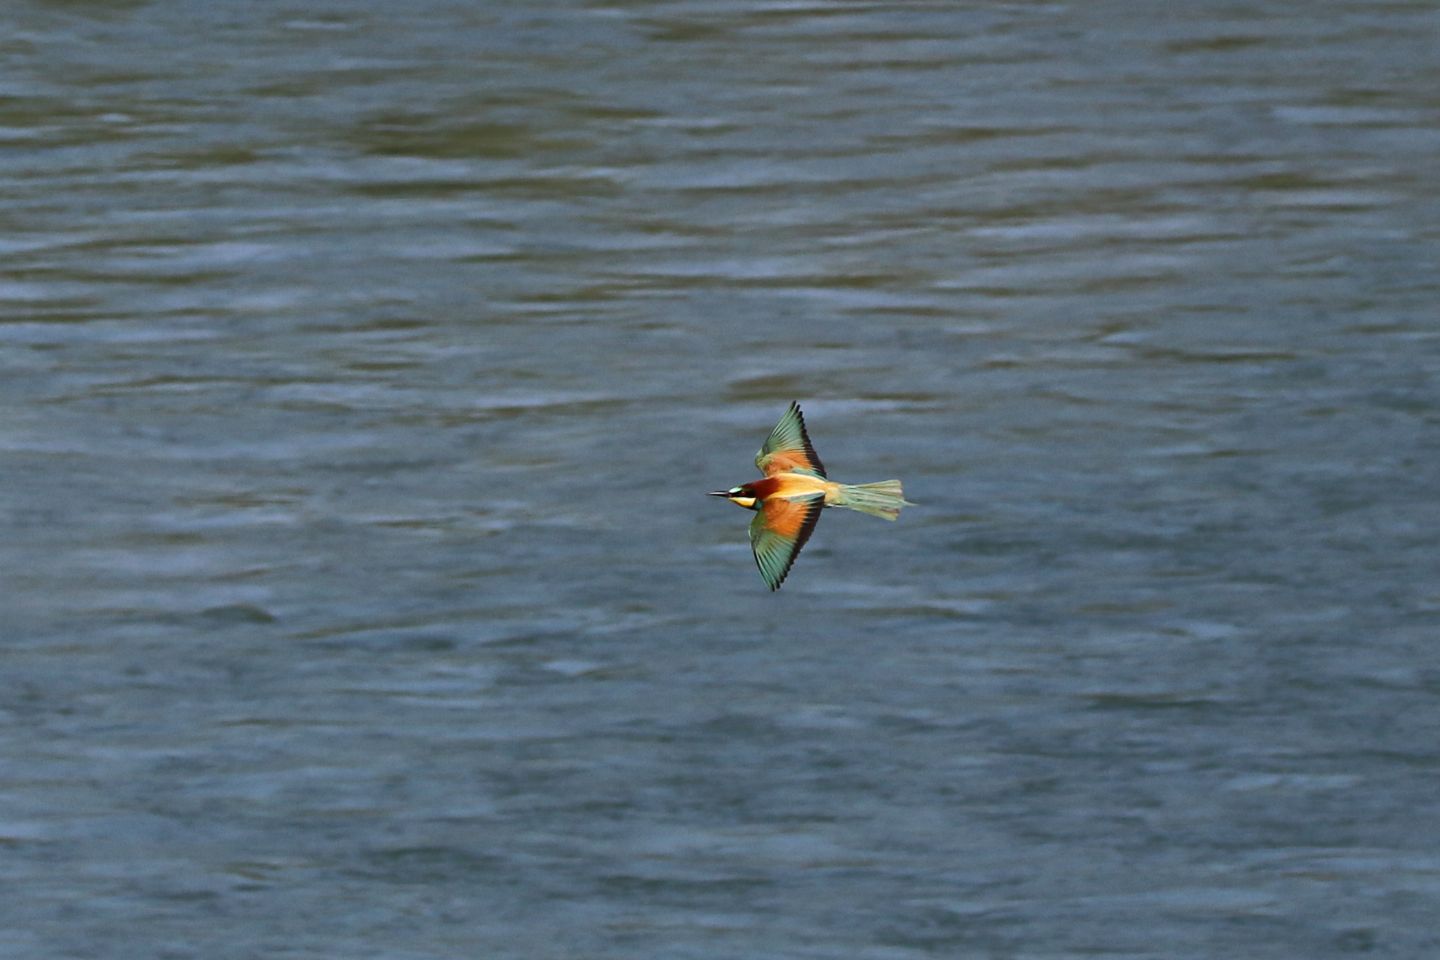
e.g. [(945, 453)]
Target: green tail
[(883, 499)]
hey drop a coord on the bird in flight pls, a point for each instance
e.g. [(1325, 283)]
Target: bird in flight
[(788, 501)]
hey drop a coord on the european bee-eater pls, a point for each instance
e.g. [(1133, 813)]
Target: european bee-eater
[(787, 503)]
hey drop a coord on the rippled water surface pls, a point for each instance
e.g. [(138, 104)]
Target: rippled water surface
[(362, 368)]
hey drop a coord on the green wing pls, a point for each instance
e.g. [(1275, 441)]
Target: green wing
[(788, 447), (779, 530)]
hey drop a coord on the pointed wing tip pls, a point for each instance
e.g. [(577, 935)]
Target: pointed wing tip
[(784, 573), (788, 447), (813, 507)]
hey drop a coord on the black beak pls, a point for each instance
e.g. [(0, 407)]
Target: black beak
[(718, 493)]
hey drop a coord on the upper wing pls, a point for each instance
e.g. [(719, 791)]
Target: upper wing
[(788, 447), (779, 530)]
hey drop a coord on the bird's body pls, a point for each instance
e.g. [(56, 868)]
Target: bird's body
[(794, 490)]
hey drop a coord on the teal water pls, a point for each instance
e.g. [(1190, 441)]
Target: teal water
[(363, 368)]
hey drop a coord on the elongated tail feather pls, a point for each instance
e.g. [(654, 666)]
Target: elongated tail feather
[(882, 499)]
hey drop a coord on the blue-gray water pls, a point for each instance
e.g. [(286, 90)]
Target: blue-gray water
[(363, 367)]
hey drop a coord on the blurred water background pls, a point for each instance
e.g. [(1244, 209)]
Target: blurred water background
[(363, 365)]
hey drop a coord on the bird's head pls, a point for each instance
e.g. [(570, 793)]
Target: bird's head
[(741, 496)]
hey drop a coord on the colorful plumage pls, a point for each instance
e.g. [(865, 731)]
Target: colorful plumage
[(788, 501)]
